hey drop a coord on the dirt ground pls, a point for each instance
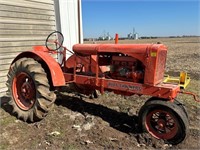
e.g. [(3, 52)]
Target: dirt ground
[(110, 121)]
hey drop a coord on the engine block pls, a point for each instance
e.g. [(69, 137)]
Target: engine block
[(127, 68)]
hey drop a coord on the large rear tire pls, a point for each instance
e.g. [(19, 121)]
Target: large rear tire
[(164, 120), (29, 90)]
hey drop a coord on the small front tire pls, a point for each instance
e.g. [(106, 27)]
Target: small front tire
[(164, 120)]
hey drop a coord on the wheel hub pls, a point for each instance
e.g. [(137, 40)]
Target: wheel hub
[(24, 91), (161, 124)]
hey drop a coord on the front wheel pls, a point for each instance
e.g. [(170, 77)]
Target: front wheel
[(164, 120), (29, 90)]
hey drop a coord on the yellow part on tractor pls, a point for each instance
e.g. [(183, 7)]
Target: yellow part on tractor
[(183, 80)]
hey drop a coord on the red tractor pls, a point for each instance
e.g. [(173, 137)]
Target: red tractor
[(125, 69)]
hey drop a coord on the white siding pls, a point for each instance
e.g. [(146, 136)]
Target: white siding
[(69, 22), (23, 24)]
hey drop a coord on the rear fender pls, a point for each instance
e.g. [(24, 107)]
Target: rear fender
[(52, 68)]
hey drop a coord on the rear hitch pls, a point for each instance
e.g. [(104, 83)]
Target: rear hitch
[(196, 98)]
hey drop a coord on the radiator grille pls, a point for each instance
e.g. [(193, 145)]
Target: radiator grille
[(160, 66)]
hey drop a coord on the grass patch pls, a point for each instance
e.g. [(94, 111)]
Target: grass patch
[(6, 121), (69, 147), (4, 145)]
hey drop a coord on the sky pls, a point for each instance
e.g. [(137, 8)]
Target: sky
[(148, 17)]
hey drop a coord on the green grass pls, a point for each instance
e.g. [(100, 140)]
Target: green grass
[(69, 147), (3, 146), (7, 120)]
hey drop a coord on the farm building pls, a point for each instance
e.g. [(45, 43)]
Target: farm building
[(25, 23)]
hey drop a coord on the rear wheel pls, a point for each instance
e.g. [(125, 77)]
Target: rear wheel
[(164, 120), (29, 89)]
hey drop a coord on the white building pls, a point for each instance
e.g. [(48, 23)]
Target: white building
[(25, 23)]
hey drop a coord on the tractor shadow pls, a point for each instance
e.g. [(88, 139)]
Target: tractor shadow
[(117, 120)]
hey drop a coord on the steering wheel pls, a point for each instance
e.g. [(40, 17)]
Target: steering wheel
[(54, 40)]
